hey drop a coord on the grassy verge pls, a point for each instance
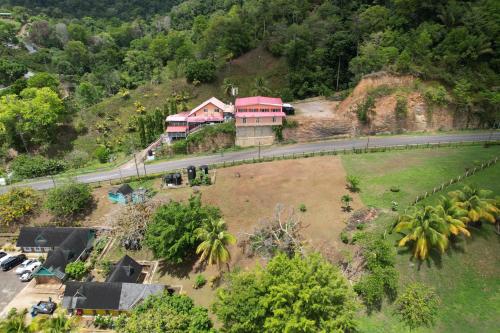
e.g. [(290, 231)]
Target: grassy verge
[(466, 276)]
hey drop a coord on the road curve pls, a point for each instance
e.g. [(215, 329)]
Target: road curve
[(339, 145)]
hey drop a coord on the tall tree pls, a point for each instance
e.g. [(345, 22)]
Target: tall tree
[(215, 239)]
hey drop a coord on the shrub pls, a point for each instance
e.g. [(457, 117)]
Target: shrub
[(77, 159), (360, 226), (102, 154), (353, 183), (68, 200), (417, 306), (436, 95), (104, 322), (179, 147), (394, 189), (401, 107), (199, 281), (365, 109), (17, 204), (200, 70), (76, 270), (302, 208), (344, 237), (372, 287), (25, 166), (106, 267)]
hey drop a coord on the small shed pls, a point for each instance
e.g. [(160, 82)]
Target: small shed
[(122, 194)]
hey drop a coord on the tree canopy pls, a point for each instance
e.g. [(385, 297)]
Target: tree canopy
[(288, 295)]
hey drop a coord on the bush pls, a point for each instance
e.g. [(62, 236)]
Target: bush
[(104, 322), (102, 154), (344, 237), (25, 166), (418, 306), (77, 159), (106, 267), (401, 107), (372, 287), (365, 109), (76, 270), (302, 208), (201, 70), (179, 147), (353, 183), (394, 189), (199, 281), (68, 200), (17, 204), (436, 95)]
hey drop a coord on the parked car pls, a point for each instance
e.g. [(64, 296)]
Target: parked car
[(43, 307), (288, 109), (2, 254), (26, 277), (13, 262), (27, 265), (5, 258)]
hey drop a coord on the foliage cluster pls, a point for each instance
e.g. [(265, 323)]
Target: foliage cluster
[(17, 204), (76, 270), (318, 298), (69, 199), (418, 306), (25, 166)]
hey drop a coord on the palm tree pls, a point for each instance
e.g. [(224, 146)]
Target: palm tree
[(261, 87), (15, 322), (477, 204), (227, 87), (426, 229), (455, 217), (58, 323), (346, 200), (215, 240)]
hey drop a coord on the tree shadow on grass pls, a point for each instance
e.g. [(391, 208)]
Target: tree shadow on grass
[(179, 271)]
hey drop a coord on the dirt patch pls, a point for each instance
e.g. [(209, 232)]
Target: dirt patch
[(316, 108)]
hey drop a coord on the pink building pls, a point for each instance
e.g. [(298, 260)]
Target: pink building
[(210, 111), (255, 117)]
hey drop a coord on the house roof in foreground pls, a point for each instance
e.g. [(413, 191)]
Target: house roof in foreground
[(215, 101), (107, 295)]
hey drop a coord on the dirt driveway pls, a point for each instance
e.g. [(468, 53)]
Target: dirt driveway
[(317, 107)]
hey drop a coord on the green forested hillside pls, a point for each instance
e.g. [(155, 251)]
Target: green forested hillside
[(99, 49)]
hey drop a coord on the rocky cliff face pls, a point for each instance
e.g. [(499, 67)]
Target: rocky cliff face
[(319, 118)]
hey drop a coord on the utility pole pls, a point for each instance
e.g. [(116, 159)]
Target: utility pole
[(368, 142), (259, 150), (136, 167)]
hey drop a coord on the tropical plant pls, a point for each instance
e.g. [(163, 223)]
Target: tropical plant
[(353, 183), (298, 294), (425, 228), (59, 323), (227, 87), (478, 204), (15, 322), (171, 233), (261, 87), (417, 306), (215, 240), (76, 270), (346, 200), (455, 217), (17, 204), (68, 200)]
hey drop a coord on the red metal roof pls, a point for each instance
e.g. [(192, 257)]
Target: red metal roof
[(177, 129), (246, 101), (259, 114)]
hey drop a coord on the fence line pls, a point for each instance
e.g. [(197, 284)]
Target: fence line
[(454, 180), (274, 157)]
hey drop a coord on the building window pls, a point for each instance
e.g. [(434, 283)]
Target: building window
[(27, 249), (274, 119), (244, 120), (206, 110), (257, 120), (38, 249)]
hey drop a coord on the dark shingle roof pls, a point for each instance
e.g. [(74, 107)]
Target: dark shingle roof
[(44, 236), (126, 270), (68, 251), (107, 295), (92, 295), (125, 189)]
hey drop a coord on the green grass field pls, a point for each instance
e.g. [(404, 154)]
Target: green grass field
[(467, 276)]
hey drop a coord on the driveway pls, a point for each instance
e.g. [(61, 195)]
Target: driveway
[(10, 286)]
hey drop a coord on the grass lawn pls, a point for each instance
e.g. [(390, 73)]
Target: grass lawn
[(412, 171), (467, 276)]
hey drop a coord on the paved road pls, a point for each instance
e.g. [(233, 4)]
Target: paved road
[(339, 145), (9, 287)]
